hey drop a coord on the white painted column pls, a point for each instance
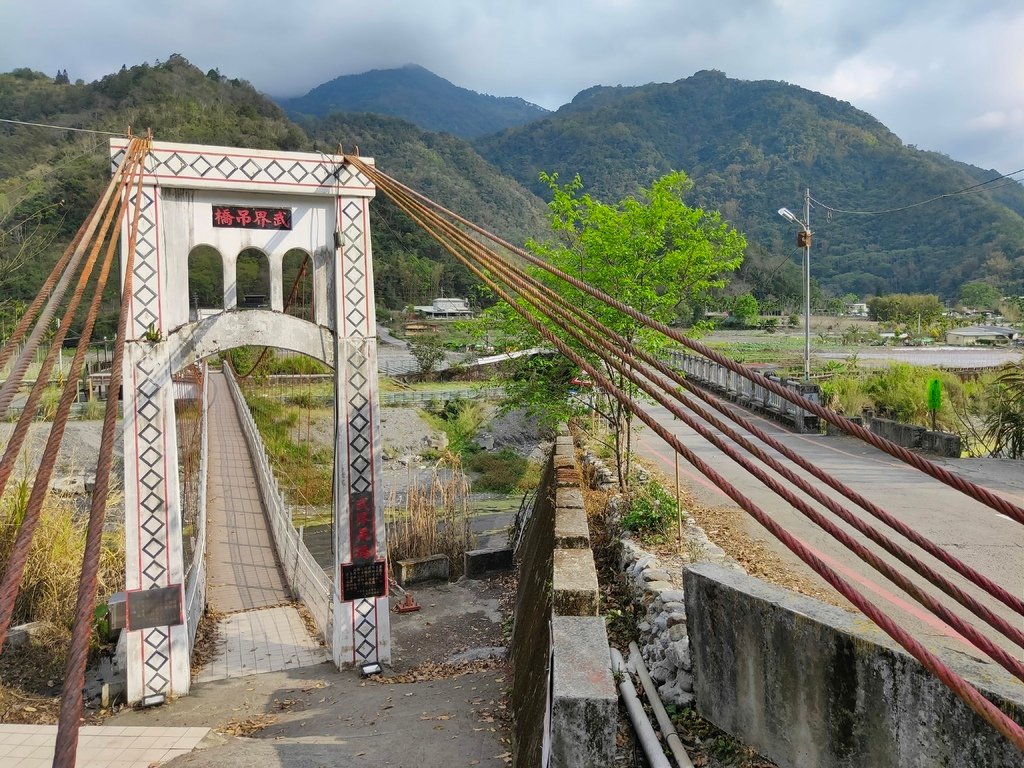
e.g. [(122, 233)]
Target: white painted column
[(158, 657), (361, 622)]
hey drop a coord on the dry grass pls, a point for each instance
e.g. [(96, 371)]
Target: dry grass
[(31, 674), (50, 583), (434, 519)]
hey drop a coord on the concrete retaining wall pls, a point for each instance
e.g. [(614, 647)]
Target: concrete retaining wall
[(912, 436), (305, 577), (564, 701), (811, 686)]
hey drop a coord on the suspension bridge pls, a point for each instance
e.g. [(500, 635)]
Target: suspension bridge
[(164, 200)]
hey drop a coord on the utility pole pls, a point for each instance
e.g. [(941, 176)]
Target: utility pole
[(807, 283), (803, 240)]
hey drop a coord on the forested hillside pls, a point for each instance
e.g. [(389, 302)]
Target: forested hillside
[(753, 147), (50, 179), (750, 148), (419, 96)]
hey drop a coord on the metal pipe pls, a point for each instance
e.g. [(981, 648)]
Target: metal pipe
[(668, 730), (641, 724)]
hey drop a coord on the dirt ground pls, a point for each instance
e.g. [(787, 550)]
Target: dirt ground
[(724, 527)]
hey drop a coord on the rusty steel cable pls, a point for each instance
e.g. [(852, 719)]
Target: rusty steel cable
[(71, 700), (943, 475), (20, 432), (960, 687), (547, 302), (15, 566), (17, 373), (975, 577), (44, 291)]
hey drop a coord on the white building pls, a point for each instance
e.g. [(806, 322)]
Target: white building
[(981, 334), (446, 308)]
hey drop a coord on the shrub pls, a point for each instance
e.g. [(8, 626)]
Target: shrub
[(651, 510), (434, 519)]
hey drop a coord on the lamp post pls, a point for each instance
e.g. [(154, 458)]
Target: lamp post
[(803, 240)]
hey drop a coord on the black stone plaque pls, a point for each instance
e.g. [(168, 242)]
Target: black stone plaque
[(360, 581), (159, 607)]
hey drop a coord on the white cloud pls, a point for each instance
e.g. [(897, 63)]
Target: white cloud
[(937, 72)]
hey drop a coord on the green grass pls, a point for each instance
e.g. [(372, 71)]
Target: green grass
[(304, 471), (503, 471)]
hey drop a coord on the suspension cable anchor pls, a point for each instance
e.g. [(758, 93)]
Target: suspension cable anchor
[(408, 605)]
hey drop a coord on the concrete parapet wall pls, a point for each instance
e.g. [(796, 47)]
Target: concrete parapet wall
[(559, 650), (417, 570), (730, 385), (811, 686)]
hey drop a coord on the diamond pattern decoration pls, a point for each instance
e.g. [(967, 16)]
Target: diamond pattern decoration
[(201, 166), (217, 167), (154, 548), (365, 629), (157, 646), (175, 164), (152, 525), (155, 573)]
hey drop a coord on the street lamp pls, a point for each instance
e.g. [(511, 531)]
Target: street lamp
[(803, 240)]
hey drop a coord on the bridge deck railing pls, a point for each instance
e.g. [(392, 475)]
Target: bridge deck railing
[(729, 384), (195, 578), (305, 577)]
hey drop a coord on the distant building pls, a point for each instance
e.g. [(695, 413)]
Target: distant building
[(446, 308), (981, 334), (857, 309)]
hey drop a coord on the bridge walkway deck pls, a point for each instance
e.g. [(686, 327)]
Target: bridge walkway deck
[(260, 628)]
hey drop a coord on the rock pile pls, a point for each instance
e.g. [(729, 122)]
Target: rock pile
[(663, 641)]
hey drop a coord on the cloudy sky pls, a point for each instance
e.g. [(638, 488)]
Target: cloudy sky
[(945, 75)]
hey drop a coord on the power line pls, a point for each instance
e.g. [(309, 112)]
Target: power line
[(58, 127), (963, 191)]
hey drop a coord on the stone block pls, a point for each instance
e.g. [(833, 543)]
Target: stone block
[(571, 528), (570, 498), (575, 590), (480, 562), (420, 569), (584, 701)]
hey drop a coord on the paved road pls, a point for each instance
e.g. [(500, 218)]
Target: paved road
[(977, 534), (938, 357)]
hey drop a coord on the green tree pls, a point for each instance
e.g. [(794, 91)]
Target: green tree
[(745, 309), (652, 252), (980, 295), (428, 351), (905, 308), (1004, 419)]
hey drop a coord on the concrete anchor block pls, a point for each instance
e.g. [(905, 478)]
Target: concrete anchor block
[(571, 528), (421, 569), (480, 562)]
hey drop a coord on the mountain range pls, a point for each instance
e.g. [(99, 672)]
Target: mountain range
[(419, 96), (750, 147)]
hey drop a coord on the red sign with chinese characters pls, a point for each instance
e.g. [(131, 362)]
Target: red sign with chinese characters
[(251, 217), (364, 545)]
